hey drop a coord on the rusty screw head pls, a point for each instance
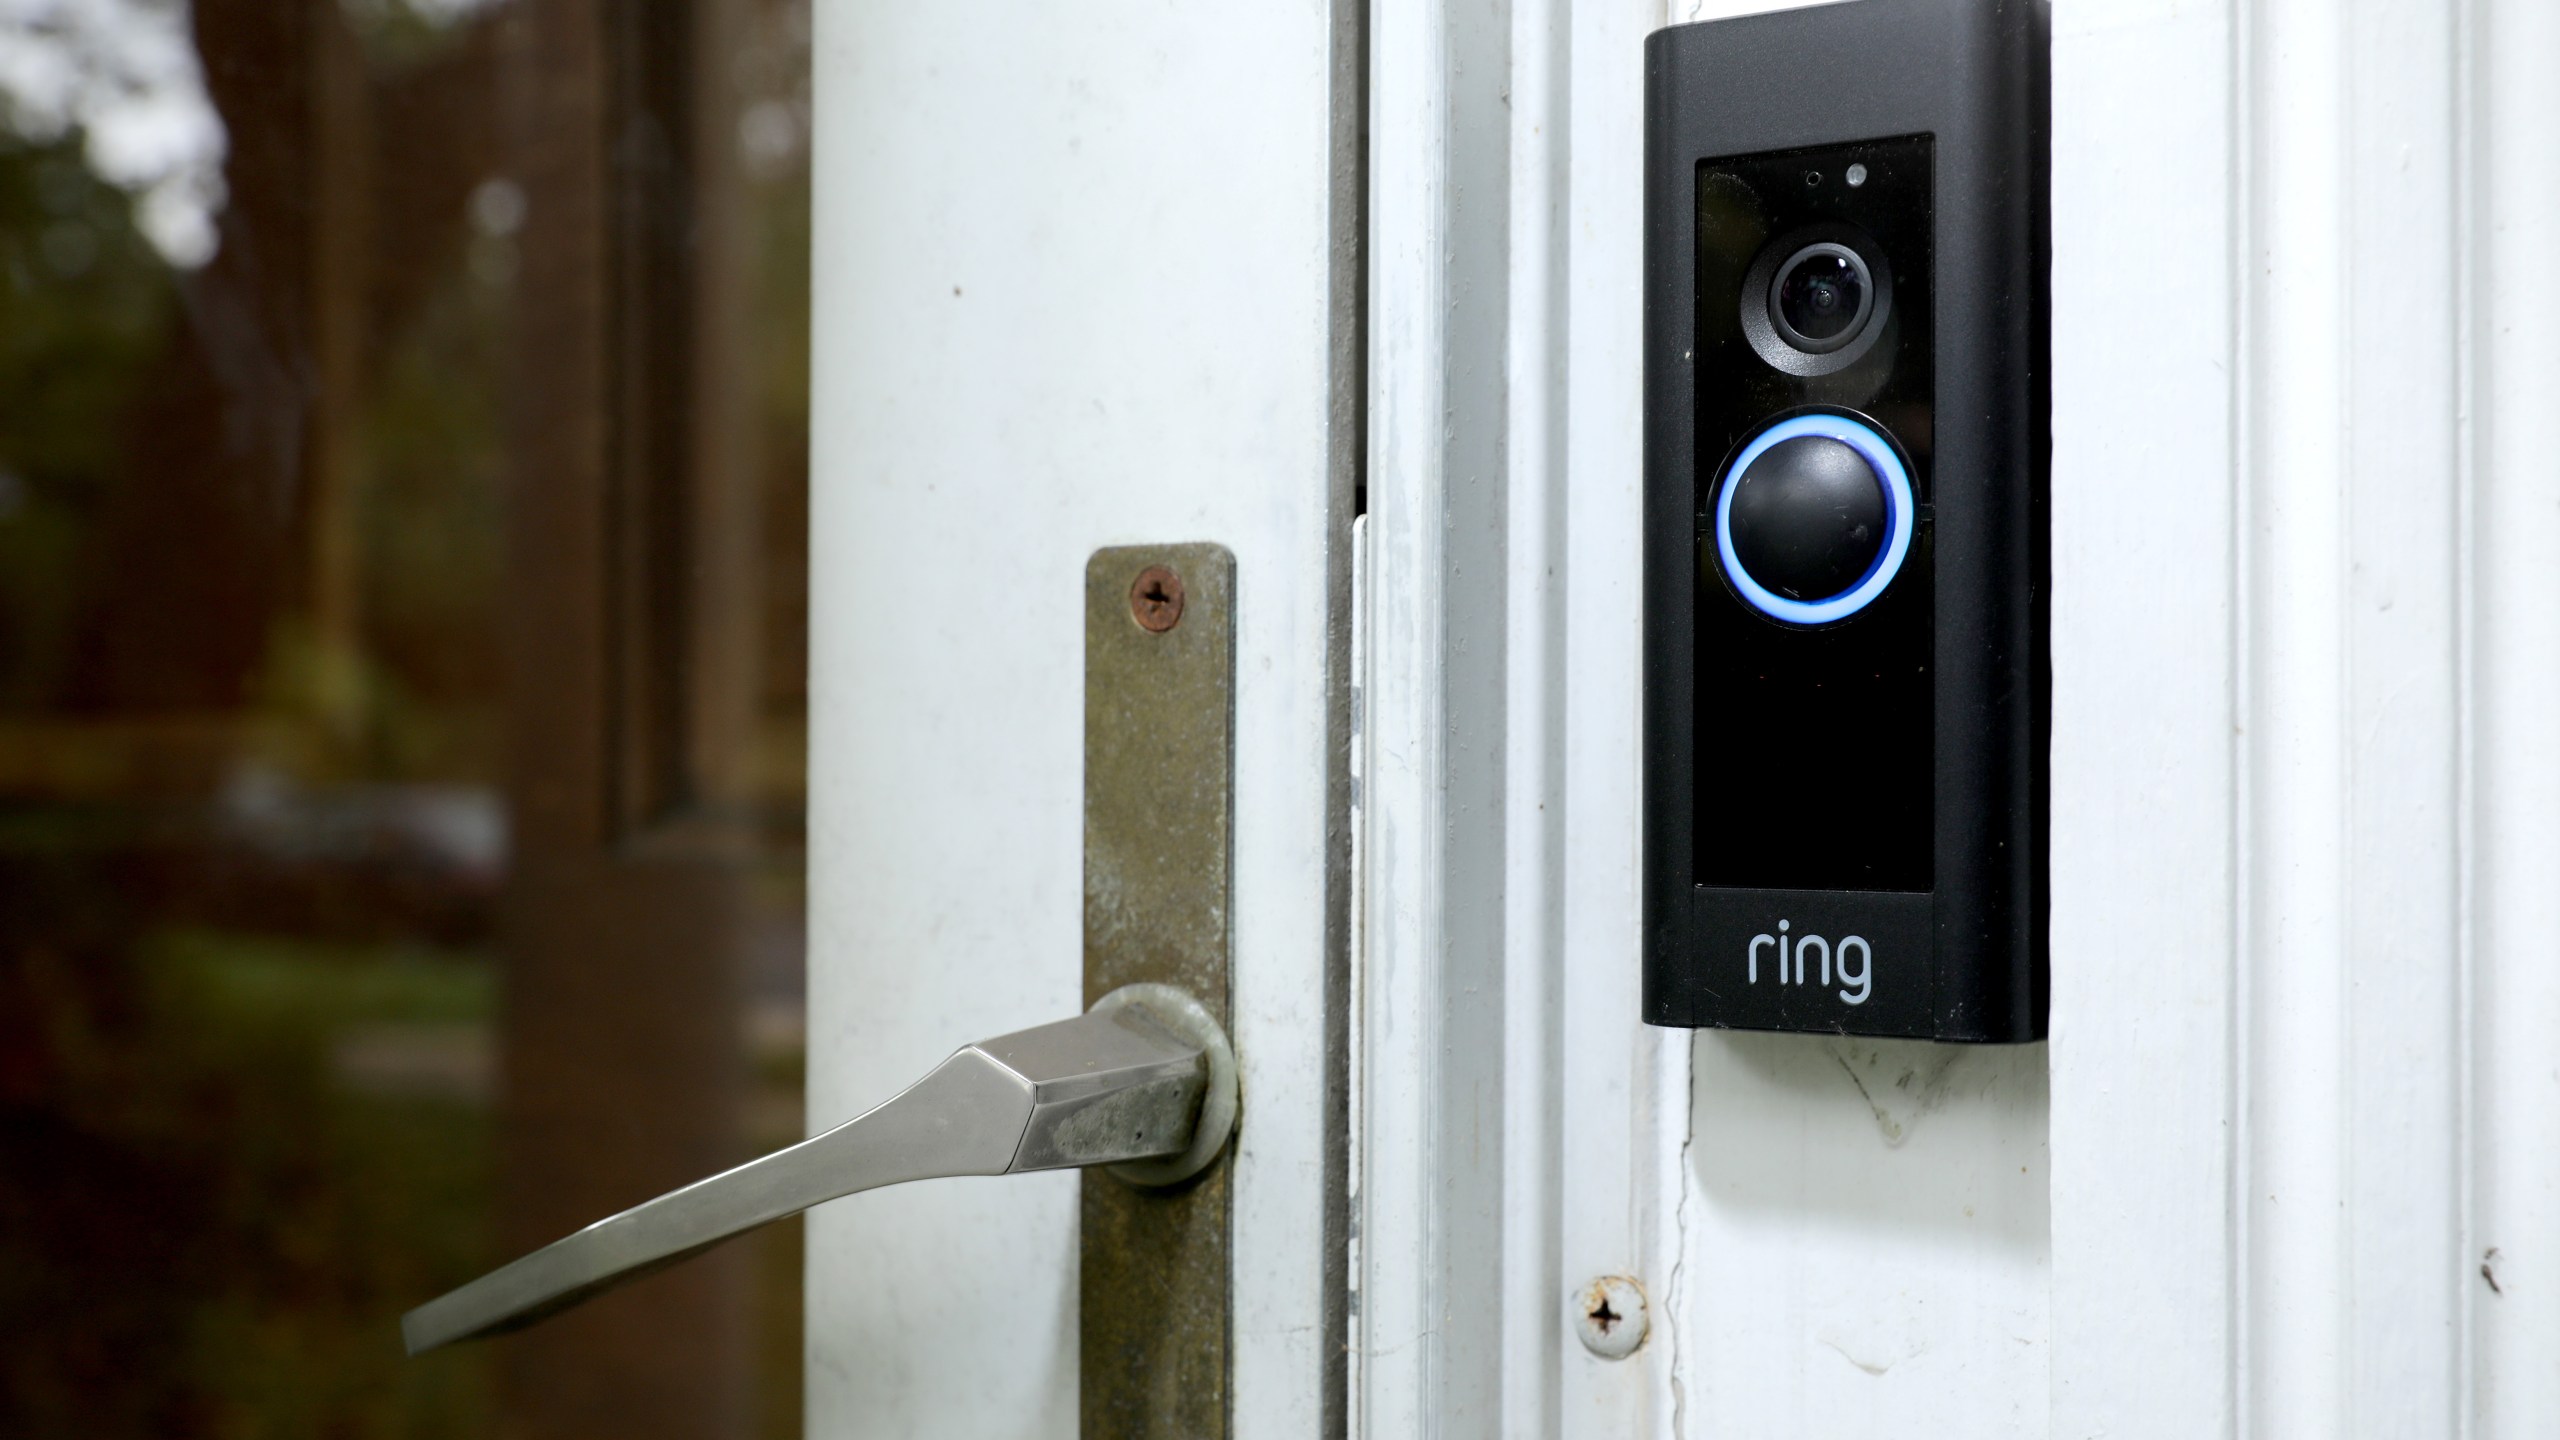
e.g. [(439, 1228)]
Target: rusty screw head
[(1155, 599), (1609, 1315)]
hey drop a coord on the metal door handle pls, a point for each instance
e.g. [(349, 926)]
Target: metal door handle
[(1143, 1082)]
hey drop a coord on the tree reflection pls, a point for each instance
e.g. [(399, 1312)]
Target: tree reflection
[(267, 337)]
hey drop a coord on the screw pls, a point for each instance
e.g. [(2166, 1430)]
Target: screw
[(1155, 599), (1609, 1314)]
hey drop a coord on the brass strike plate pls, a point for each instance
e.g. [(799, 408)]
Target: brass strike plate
[(1159, 794)]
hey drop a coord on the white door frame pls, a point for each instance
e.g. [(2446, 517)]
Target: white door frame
[(1519, 1126)]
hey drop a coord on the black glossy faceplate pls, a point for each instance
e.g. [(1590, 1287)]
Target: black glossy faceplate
[(1813, 746)]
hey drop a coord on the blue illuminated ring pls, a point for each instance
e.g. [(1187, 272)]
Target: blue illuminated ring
[(1880, 458)]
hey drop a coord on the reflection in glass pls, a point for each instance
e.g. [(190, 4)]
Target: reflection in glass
[(402, 537)]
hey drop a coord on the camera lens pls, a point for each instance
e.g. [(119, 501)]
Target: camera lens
[(1821, 297)]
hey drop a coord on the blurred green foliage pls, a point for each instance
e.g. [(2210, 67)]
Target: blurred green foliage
[(230, 1227), (85, 306)]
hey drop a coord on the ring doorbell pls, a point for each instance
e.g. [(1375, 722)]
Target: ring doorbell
[(1845, 522)]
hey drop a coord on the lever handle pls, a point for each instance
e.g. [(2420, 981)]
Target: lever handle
[(1143, 1082)]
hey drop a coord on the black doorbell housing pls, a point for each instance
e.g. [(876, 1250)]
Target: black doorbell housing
[(1846, 687)]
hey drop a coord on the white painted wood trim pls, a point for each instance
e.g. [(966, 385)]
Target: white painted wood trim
[(1625, 1109), (1403, 905), (2514, 731), (1512, 1099), (2307, 809), (2145, 747)]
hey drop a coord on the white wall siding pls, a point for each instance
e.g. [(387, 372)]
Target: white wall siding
[(2304, 847), (2512, 112)]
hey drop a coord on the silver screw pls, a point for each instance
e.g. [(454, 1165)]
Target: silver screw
[(1609, 1315)]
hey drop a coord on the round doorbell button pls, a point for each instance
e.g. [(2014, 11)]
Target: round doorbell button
[(1808, 518), (1814, 519)]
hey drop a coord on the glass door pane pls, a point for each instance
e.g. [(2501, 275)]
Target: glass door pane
[(403, 478)]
